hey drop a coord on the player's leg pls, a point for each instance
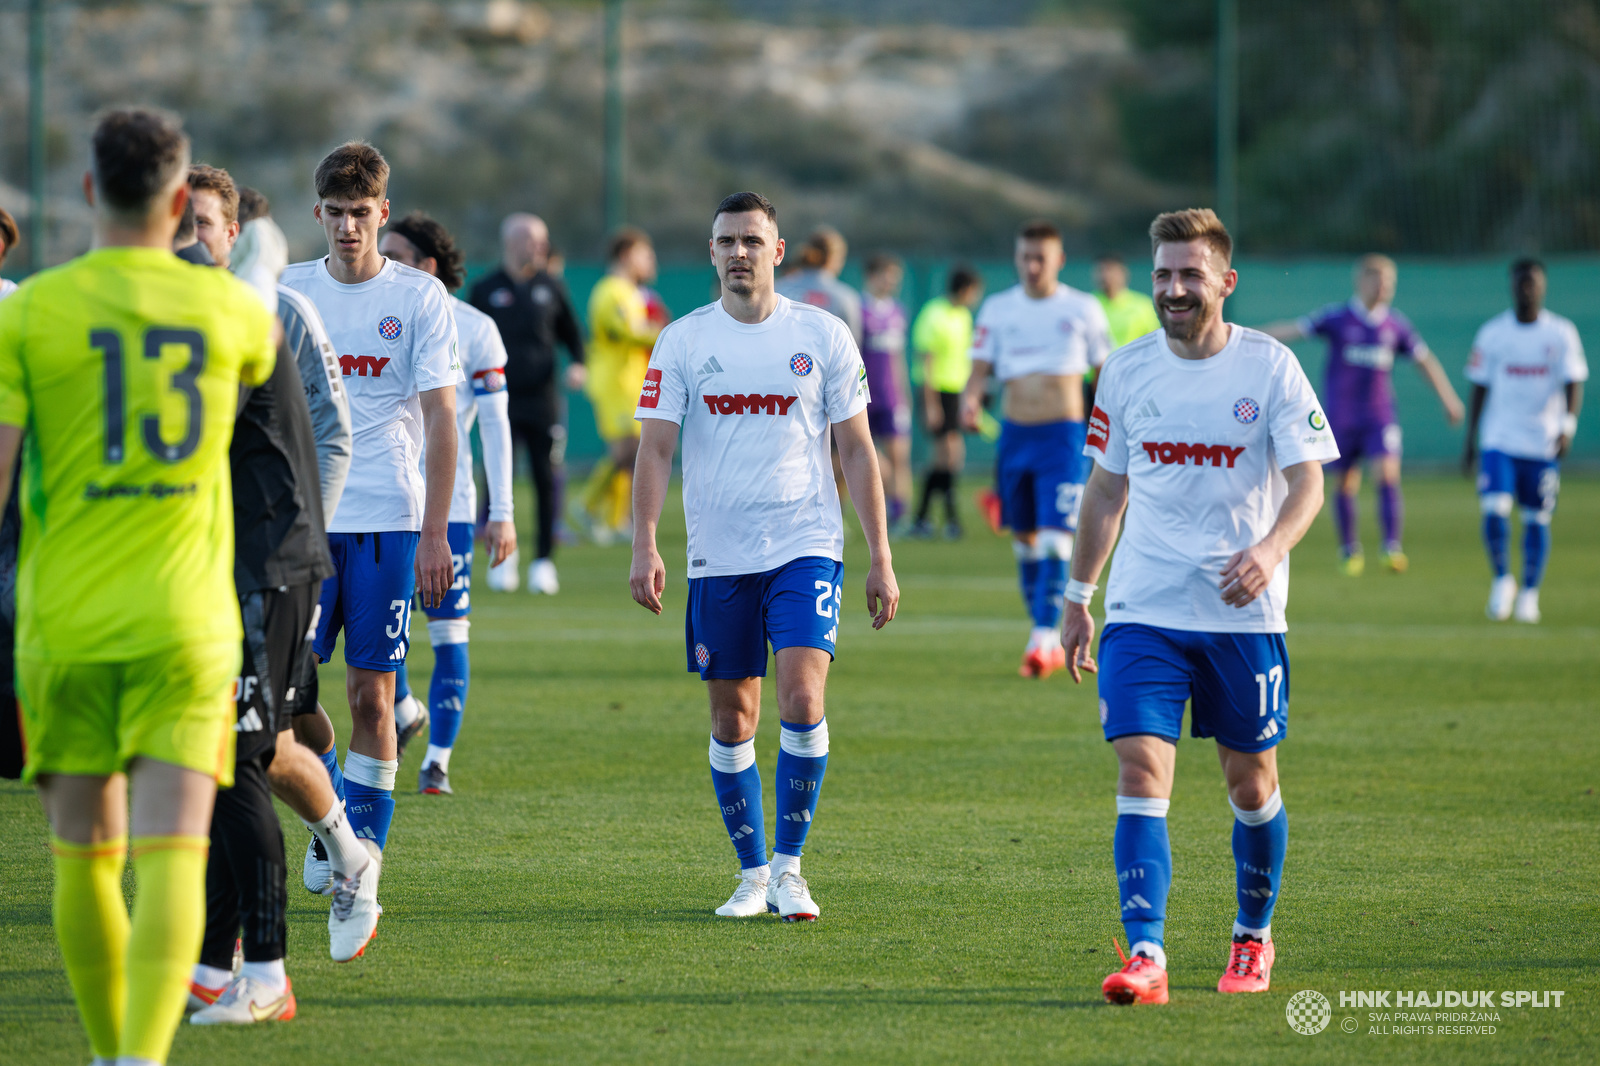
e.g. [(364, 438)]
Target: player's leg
[(1241, 697), (1347, 516), (1496, 494), (448, 626), (315, 730), (624, 452), (410, 713), (1538, 484), (546, 442), (1391, 508), (1059, 473), (1145, 679), (899, 455), (214, 972)]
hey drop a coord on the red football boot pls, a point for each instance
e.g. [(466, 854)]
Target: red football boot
[(1139, 981), (1249, 966)]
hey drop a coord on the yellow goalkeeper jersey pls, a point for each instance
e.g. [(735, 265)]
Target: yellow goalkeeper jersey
[(124, 368)]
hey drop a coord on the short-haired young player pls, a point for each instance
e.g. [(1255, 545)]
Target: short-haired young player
[(1364, 336), (396, 336), (1527, 371), (758, 382), (422, 243), (1210, 438), (124, 367), (1038, 338)]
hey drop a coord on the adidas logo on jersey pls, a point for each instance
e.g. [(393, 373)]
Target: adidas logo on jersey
[(250, 723), (1148, 410), (739, 404), (363, 365), (1200, 454), (712, 366)]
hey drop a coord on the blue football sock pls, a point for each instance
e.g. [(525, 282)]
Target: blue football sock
[(330, 762), (1048, 592), (738, 786), (1028, 577), (1143, 857), (802, 760), (1497, 538), (1260, 840), (402, 683), (369, 783), (447, 695), (1535, 551)]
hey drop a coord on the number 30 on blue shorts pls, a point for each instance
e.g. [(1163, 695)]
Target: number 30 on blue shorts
[(731, 620), (369, 598)]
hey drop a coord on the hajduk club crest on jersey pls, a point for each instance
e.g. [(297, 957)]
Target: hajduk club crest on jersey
[(389, 328), (1246, 410), (800, 363)]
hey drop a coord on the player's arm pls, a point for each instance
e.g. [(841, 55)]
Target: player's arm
[(494, 429), (570, 334), (1453, 409), (859, 461), (1105, 497), (1248, 572), (972, 395), (435, 573), (10, 444), (647, 579), (1287, 330), (1569, 425), (1469, 450)]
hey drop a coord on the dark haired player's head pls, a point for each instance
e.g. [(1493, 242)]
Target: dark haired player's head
[(884, 274), (1528, 287), (216, 210), (630, 254), (1039, 256), (253, 204), (8, 233), (352, 200), (824, 250), (745, 246), (1193, 273), (963, 284), (422, 242), (138, 159), (740, 202), (1110, 274)]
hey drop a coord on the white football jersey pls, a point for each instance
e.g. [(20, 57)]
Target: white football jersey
[(1203, 443), (1064, 333), (483, 365), (396, 337), (1526, 367), (755, 403), (7, 288)]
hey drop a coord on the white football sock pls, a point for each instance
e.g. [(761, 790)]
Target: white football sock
[(269, 974), (1044, 637), (211, 977), (406, 711), (782, 864), (759, 873), (1156, 952), (346, 855), (1263, 935), (437, 756)]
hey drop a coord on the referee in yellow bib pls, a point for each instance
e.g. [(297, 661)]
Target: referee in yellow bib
[(119, 379)]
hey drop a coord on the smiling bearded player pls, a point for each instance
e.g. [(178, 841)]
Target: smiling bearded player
[(1211, 438), (757, 381)]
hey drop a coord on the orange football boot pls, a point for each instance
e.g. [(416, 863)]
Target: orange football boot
[(1249, 966), (1139, 981), (1042, 662)]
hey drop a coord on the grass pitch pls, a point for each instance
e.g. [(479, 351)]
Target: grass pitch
[(1439, 774)]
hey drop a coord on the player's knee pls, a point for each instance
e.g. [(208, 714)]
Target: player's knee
[(1256, 799), (1053, 544), (1028, 550), (1495, 503), (1539, 517), (443, 631)]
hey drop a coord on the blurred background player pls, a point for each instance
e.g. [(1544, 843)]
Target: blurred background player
[(127, 626), (815, 280), (1130, 314), (941, 362), (419, 242), (1527, 371), (8, 241), (622, 332), (1210, 438), (1038, 338), (766, 541), (1364, 335), (389, 535), (883, 353), (261, 251), (186, 245), (530, 307)]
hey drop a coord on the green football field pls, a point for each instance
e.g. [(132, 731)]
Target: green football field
[(1439, 773)]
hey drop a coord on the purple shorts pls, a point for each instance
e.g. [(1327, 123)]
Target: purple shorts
[(884, 421), (1366, 439)]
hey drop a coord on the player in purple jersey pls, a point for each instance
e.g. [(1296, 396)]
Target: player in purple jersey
[(1364, 336), (883, 352)]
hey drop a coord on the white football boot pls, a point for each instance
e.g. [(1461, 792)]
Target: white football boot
[(317, 872), (542, 577), (749, 899), (353, 918), (247, 1001), (1527, 608), (789, 898), (410, 718), (506, 576), (1501, 594)]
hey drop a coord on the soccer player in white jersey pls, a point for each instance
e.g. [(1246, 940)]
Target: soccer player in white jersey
[(420, 242), (396, 339), (1527, 371), (1211, 439), (757, 381), (1039, 338)]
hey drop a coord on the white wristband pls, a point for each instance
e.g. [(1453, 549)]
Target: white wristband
[(1081, 591), (1569, 425)]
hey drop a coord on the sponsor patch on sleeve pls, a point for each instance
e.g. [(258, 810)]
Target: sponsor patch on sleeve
[(650, 395), (1099, 429)]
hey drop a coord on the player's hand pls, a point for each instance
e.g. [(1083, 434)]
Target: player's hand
[(883, 594), (1077, 639), (1454, 410), (577, 376), (647, 579), (971, 412), (434, 568), (1247, 574), (501, 540), (1563, 443)]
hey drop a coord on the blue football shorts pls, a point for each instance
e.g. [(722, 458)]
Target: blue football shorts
[(1534, 482), (369, 598), (731, 620), (1039, 475), (457, 603), (1237, 685)]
